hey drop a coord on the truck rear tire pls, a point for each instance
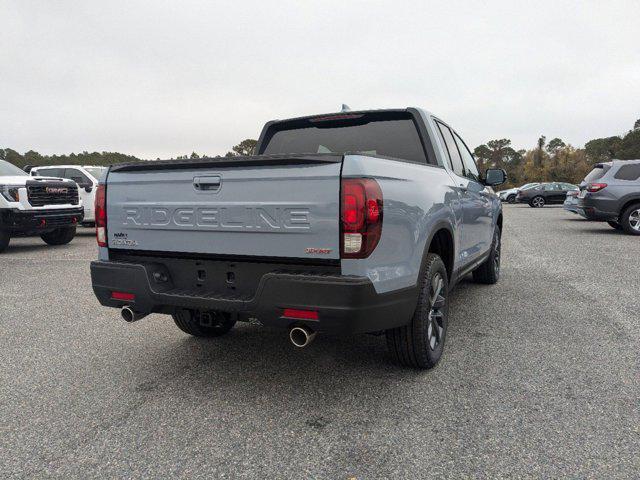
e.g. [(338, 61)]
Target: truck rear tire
[(4, 240), (420, 343), (489, 271), (203, 323), (59, 236)]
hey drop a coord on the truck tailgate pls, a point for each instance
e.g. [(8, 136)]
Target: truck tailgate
[(250, 206)]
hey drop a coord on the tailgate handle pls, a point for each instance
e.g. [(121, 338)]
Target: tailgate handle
[(207, 184)]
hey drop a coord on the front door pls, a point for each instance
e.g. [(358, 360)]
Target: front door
[(479, 214)]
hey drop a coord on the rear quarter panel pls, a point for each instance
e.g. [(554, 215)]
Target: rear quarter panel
[(417, 200)]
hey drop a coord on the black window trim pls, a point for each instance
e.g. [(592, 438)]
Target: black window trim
[(451, 130), (473, 159)]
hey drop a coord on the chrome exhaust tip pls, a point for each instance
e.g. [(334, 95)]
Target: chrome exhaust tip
[(301, 336), (129, 315)]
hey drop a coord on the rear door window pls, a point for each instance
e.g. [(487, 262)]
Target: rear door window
[(628, 172)]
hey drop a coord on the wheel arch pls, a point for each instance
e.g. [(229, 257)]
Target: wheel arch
[(627, 202), (441, 242)]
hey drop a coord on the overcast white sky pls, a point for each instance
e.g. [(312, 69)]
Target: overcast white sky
[(162, 78)]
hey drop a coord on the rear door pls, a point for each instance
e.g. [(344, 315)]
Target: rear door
[(556, 193), (254, 206)]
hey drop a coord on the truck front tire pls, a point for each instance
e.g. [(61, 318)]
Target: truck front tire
[(420, 343), (59, 236), (4, 240), (203, 324)]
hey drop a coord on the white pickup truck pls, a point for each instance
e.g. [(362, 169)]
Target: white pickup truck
[(86, 176), (37, 206)]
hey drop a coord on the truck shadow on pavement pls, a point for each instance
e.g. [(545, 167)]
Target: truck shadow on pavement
[(251, 362)]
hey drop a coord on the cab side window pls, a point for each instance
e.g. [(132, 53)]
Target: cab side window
[(470, 166), (77, 176), (454, 155)]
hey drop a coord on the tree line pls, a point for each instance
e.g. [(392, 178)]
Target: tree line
[(547, 161), (554, 160), (34, 159)]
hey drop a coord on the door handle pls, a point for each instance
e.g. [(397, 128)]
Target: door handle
[(210, 183)]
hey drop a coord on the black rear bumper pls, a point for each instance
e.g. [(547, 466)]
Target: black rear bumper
[(344, 304), (37, 222), (597, 209)]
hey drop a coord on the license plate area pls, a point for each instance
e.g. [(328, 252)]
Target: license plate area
[(205, 277)]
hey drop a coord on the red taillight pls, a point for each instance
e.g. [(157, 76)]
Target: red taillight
[(361, 217), (300, 314), (101, 215), (128, 297), (595, 187)]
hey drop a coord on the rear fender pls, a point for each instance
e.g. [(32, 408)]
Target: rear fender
[(416, 200)]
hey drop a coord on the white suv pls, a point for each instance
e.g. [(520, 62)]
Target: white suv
[(85, 176)]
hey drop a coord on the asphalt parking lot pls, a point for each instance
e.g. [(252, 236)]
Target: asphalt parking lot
[(540, 377)]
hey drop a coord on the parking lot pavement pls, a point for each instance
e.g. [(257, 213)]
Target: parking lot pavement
[(540, 377)]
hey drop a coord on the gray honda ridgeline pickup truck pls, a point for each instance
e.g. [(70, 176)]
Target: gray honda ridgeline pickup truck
[(342, 223)]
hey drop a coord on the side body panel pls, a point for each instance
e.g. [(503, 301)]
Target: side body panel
[(417, 199)]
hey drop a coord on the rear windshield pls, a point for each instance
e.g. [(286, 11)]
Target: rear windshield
[(392, 134), (597, 173)]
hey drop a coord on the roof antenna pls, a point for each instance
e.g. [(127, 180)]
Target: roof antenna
[(345, 108)]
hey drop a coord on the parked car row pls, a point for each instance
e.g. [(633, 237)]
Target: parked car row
[(510, 195), (547, 193), (50, 202), (609, 193)]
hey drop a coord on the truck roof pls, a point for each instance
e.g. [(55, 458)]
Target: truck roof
[(352, 112), (68, 166)]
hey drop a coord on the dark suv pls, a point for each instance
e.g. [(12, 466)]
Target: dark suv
[(612, 195), (545, 193)]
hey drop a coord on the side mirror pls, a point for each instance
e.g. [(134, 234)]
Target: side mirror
[(495, 176), (88, 188)]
